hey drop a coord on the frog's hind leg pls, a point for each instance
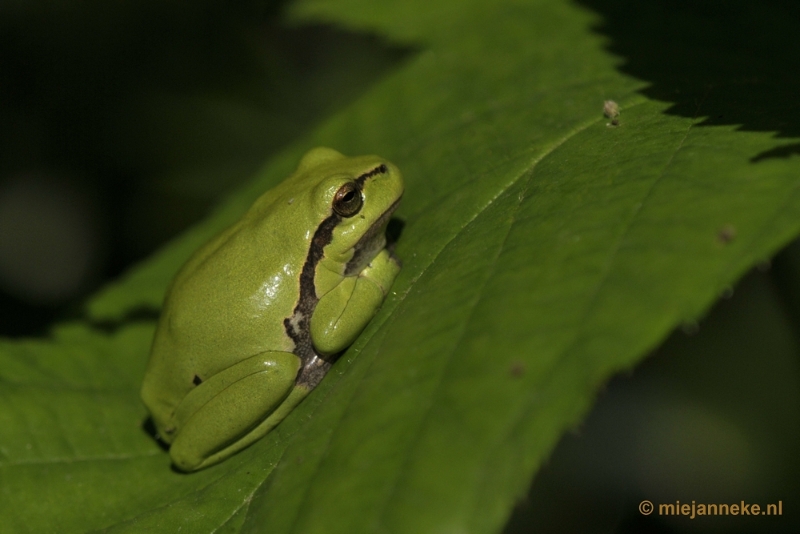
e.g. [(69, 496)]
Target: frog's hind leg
[(234, 408)]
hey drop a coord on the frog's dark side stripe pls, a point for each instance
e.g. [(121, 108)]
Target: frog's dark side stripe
[(298, 326)]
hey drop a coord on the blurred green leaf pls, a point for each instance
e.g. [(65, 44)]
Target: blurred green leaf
[(544, 250)]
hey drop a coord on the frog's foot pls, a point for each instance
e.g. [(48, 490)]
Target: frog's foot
[(234, 408)]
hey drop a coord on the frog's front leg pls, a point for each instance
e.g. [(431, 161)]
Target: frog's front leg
[(233, 408), (343, 312)]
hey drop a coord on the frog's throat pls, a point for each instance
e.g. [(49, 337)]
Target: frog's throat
[(371, 243)]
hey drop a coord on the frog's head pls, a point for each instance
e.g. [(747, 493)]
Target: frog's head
[(357, 196)]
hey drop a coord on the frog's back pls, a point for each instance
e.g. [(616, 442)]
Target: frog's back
[(225, 305)]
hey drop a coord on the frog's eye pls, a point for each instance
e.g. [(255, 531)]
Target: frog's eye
[(347, 201)]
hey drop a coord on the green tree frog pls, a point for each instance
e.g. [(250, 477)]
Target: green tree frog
[(256, 317)]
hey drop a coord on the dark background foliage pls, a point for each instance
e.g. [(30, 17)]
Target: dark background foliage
[(124, 123), (737, 60)]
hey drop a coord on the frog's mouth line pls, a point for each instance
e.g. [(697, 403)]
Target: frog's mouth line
[(371, 243)]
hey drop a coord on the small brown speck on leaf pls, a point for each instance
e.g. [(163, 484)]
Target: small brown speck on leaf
[(690, 328), (726, 234), (611, 110)]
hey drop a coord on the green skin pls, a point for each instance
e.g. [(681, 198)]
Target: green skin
[(257, 316)]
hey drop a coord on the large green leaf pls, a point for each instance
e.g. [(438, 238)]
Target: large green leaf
[(544, 250)]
